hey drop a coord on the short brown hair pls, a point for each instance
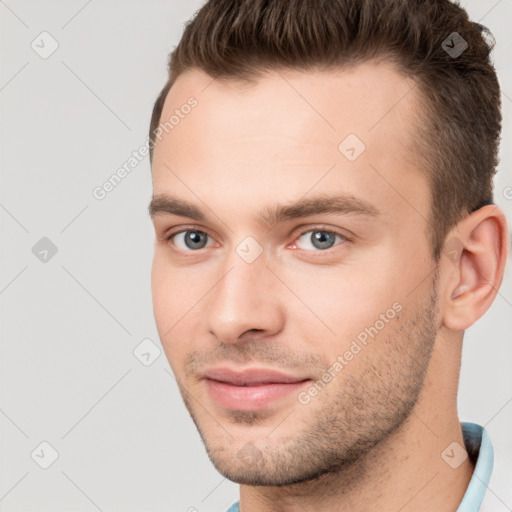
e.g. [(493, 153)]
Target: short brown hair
[(458, 144)]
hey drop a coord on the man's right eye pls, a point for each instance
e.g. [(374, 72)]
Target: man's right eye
[(189, 240)]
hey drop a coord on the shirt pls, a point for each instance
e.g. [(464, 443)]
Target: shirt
[(481, 452)]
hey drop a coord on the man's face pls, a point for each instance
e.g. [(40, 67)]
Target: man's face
[(341, 303)]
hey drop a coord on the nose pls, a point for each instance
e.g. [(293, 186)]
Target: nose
[(245, 300)]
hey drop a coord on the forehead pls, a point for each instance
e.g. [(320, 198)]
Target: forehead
[(282, 134), (361, 98)]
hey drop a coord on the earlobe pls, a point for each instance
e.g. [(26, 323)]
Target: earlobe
[(474, 266)]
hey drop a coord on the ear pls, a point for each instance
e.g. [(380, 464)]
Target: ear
[(475, 255)]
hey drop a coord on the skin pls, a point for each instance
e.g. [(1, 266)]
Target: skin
[(372, 438)]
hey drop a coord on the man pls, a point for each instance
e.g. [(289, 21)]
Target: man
[(325, 233)]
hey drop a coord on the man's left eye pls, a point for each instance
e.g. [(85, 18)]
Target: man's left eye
[(319, 239)]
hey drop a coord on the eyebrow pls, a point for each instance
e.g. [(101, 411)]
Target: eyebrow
[(164, 204)]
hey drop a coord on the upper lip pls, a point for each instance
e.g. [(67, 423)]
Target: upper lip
[(251, 376)]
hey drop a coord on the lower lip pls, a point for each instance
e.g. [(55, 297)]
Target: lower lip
[(250, 398)]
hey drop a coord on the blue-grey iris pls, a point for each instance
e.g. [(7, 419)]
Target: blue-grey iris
[(195, 239), (322, 239)]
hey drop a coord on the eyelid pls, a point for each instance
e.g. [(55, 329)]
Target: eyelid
[(180, 229)]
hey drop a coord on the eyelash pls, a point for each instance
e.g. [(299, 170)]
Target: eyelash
[(321, 229)]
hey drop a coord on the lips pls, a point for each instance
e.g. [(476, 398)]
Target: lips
[(252, 388), (251, 376)]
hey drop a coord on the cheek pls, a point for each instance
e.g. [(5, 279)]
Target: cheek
[(176, 293), (338, 303), (171, 296), (162, 295)]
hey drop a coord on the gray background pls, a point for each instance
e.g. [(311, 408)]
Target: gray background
[(70, 324)]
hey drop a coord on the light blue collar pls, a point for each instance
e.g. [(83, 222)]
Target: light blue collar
[(480, 450)]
